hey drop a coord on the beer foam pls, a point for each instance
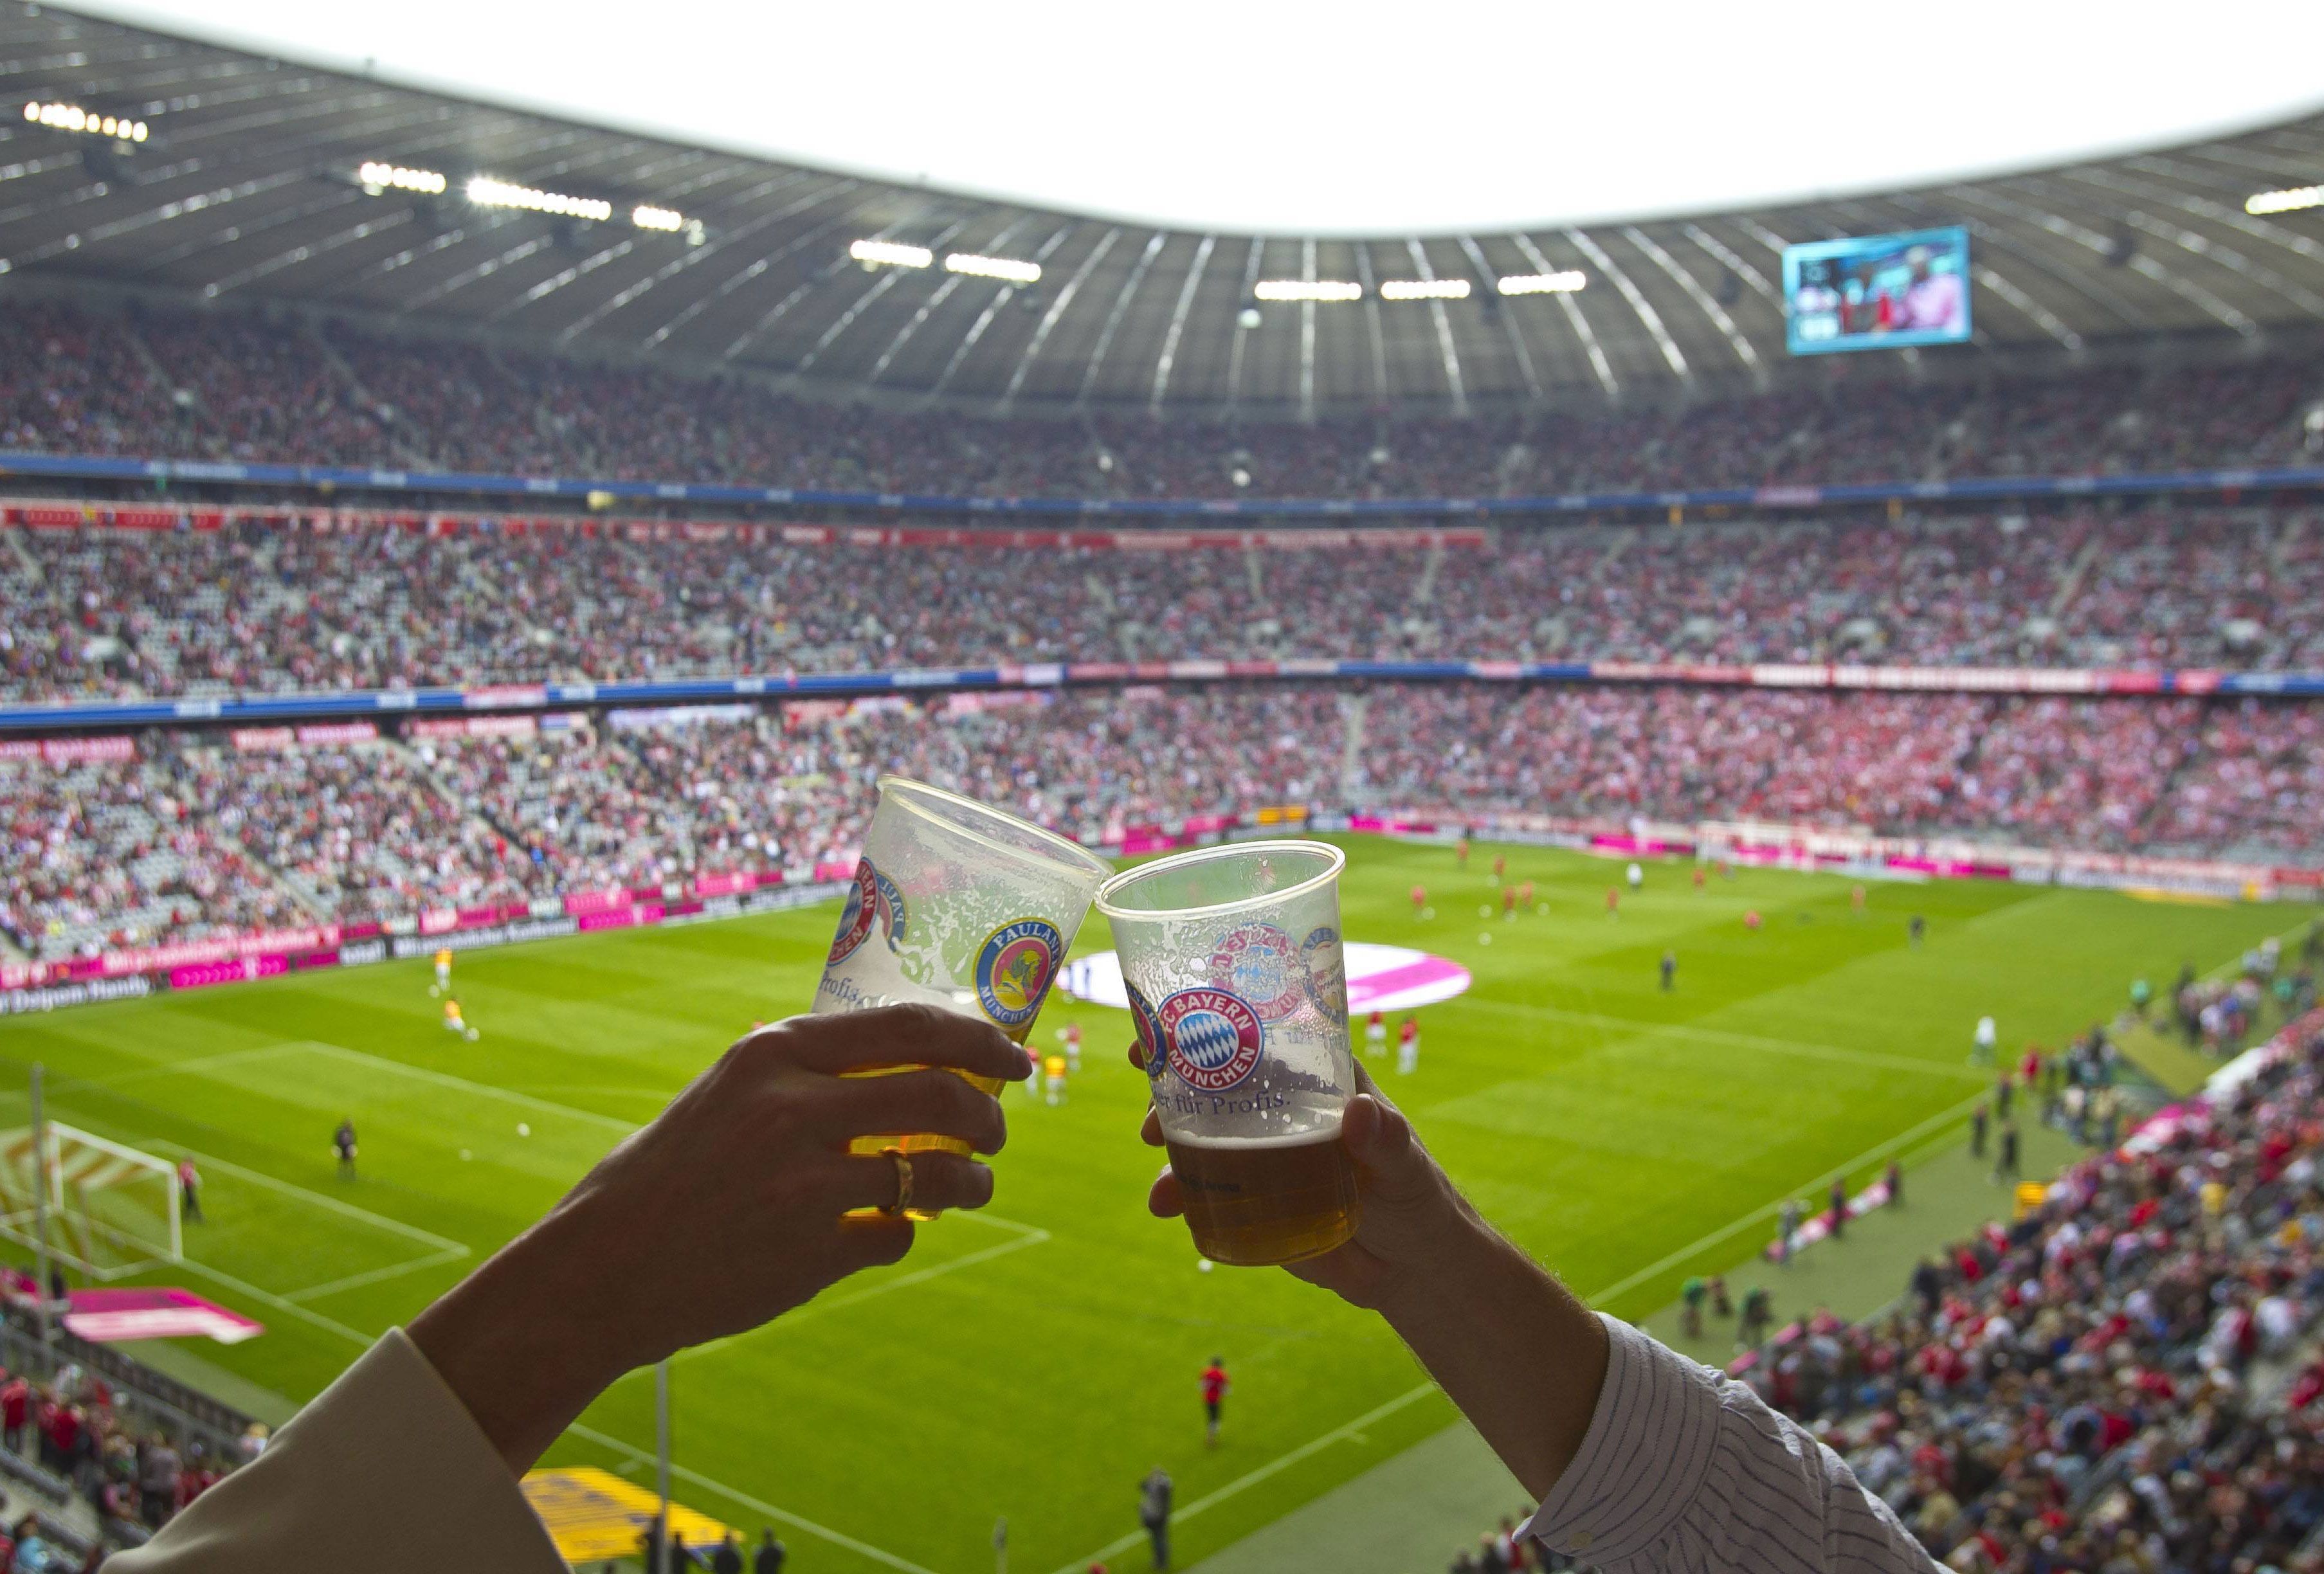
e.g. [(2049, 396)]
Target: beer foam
[(1292, 1139)]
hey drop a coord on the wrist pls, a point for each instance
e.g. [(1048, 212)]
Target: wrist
[(1467, 1259), (520, 1347)]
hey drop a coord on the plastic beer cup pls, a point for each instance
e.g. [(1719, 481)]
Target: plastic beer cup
[(1236, 980), (958, 906)]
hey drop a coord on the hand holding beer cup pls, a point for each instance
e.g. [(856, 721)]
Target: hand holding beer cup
[(960, 907), (1409, 1211), (1233, 962)]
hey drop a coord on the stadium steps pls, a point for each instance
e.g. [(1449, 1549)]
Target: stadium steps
[(1353, 709), (2070, 584), (2287, 537), (1254, 570), (422, 771), (1424, 591), (28, 565), (328, 353)]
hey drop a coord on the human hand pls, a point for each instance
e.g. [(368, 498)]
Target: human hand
[(738, 1203), (1411, 1215), (1508, 1344)]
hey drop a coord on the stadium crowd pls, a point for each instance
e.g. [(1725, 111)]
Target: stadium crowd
[(149, 380), (191, 837), (270, 608), (92, 1468), (2126, 1379)]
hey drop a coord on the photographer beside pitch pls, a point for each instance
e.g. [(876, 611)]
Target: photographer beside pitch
[(1643, 1459)]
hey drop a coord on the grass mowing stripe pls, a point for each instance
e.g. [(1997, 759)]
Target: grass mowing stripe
[(1640, 1027), (445, 1079)]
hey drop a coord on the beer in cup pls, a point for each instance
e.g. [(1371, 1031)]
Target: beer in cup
[(1233, 962)]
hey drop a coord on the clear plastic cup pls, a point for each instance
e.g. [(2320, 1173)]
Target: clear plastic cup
[(1239, 991), (958, 906)]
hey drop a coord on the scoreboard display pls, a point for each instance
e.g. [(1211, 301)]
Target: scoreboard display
[(1878, 293)]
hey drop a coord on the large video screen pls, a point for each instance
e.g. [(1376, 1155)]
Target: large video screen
[(1878, 293)]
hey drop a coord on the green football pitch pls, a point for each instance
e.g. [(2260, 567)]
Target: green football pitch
[(1034, 1361)]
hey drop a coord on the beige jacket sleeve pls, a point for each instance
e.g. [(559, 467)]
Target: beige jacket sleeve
[(385, 1472)]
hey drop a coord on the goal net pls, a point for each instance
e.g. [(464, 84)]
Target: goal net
[(112, 1208)]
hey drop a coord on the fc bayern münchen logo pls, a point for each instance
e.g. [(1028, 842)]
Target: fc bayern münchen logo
[(1213, 1038), (1258, 962), (1013, 968), (1148, 1030), (856, 917)]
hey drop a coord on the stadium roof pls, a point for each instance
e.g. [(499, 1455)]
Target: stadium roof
[(246, 189), (1219, 115)]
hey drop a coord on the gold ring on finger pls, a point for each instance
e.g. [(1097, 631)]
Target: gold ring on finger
[(903, 1180)]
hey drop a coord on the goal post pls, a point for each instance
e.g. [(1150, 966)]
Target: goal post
[(112, 1208)]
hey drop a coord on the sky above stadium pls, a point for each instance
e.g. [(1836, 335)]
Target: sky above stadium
[(1352, 120)]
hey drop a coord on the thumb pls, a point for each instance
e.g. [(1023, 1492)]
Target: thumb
[(1380, 1141)]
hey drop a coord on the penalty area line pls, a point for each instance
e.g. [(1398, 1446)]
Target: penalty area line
[(377, 1276)]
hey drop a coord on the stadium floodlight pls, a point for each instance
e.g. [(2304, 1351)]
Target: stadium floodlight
[(486, 191), (72, 117), (2290, 201), (993, 268), (376, 177), (1308, 290), (1564, 283), (894, 254), (645, 216), (1424, 290)]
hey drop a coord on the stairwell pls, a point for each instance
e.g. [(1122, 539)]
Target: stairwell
[(1424, 591), (2070, 584), (340, 368), (29, 565), (1353, 709), (2287, 537), (193, 413)]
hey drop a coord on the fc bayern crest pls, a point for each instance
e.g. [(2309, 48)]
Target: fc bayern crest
[(1212, 1037), (1259, 963), (1327, 974), (1148, 1030), (856, 918), (1014, 967)]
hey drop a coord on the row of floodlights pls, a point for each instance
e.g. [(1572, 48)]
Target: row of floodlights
[(486, 191), (2290, 201), (1345, 289), (73, 117), (897, 255)]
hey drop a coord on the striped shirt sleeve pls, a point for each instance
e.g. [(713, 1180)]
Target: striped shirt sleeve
[(1684, 1468)]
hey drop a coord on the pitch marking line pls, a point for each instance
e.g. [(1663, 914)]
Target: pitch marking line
[(443, 1248), (377, 1276), (1412, 1395), (195, 1065)]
